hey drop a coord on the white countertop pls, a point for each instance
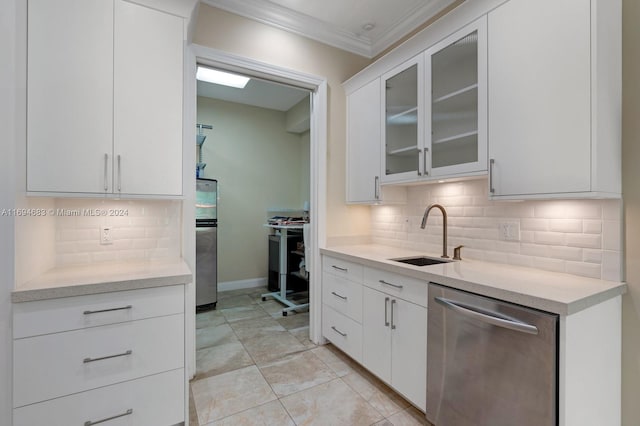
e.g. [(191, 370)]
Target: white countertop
[(103, 278), (559, 293)]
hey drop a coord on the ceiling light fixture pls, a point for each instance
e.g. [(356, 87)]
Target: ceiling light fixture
[(219, 77), (368, 26)]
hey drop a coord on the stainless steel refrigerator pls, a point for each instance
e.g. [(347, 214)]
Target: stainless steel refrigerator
[(206, 244)]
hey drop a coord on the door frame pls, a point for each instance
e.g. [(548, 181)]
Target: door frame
[(197, 54)]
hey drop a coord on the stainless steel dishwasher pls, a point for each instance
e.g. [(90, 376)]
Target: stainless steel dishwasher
[(489, 362)]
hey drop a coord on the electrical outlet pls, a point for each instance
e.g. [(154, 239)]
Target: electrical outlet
[(105, 235), (509, 231)]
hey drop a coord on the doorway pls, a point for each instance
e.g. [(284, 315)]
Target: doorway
[(254, 143), (317, 162)]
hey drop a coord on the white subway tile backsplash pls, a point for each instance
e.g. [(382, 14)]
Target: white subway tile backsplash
[(611, 265), (591, 270), (565, 253), (552, 238), (593, 241), (611, 233), (144, 229), (531, 224), (612, 210), (559, 235), (535, 250), (565, 225), (590, 226), (592, 256)]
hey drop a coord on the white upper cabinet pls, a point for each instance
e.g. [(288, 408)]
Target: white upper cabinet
[(148, 79), (363, 135), (554, 99), (105, 82), (70, 95), (456, 90), (364, 129), (402, 113), (434, 109)]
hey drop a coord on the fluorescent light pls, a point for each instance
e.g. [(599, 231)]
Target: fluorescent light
[(220, 77)]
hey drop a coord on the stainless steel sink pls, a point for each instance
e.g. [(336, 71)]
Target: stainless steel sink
[(421, 260)]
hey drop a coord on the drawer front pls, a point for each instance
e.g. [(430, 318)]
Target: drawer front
[(343, 332), (407, 288), (342, 268), (72, 313), (156, 400), (56, 365), (342, 295)]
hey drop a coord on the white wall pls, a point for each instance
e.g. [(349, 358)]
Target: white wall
[(259, 167), (580, 237), (231, 33), (631, 194)]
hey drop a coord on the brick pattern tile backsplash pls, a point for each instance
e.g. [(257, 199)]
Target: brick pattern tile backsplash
[(140, 229), (580, 237)]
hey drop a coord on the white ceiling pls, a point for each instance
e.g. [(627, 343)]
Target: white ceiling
[(340, 23), (260, 93)]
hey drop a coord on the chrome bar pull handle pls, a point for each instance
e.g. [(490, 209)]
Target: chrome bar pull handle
[(339, 268), (419, 171), (337, 295), (119, 175), (88, 360), (390, 284), (491, 163), (386, 303), (106, 175), (393, 326), (117, 416), (424, 161), (107, 310), (376, 187), (338, 331), (493, 318)]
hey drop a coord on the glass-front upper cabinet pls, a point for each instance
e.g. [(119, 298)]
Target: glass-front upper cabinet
[(403, 121), (456, 106)]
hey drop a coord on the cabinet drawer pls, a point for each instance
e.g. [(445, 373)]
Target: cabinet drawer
[(59, 364), (343, 332), (342, 268), (72, 313), (407, 288), (342, 295), (156, 400)]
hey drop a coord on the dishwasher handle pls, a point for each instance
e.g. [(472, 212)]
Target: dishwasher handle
[(492, 318)]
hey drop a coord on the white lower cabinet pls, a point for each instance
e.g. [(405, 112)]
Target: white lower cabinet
[(379, 319), (394, 343), (343, 332), (130, 403), (116, 357)]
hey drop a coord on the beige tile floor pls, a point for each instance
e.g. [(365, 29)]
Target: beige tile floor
[(256, 367)]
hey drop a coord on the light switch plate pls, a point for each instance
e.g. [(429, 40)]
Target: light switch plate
[(105, 235), (509, 231)]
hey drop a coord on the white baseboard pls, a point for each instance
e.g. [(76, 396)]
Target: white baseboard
[(240, 284)]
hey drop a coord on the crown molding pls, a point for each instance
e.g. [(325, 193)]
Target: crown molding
[(289, 20), (409, 22), (298, 23)]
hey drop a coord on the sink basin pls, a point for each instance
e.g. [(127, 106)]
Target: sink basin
[(421, 260)]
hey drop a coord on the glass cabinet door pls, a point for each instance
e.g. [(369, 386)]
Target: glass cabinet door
[(402, 121), (458, 92)]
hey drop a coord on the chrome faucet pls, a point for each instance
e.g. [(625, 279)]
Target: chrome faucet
[(444, 226)]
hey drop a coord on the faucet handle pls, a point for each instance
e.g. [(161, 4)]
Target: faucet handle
[(456, 253)]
